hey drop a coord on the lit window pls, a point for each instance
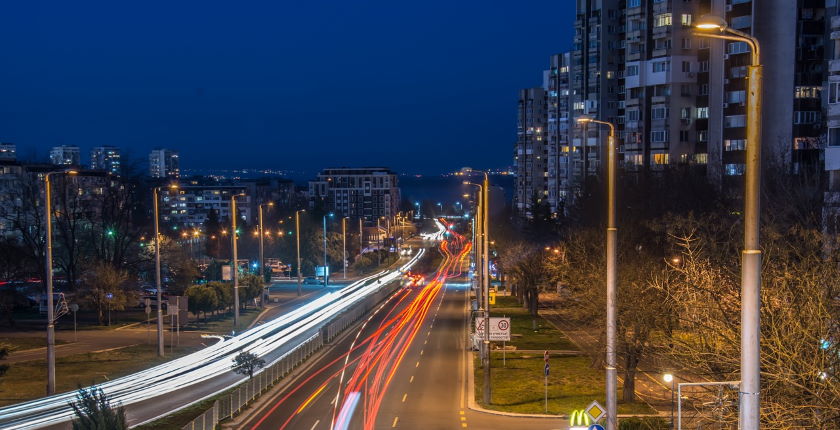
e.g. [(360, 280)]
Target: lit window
[(662, 20), (734, 169), (810, 92), (686, 20), (659, 159), (734, 144), (702, 112), (701, 158)]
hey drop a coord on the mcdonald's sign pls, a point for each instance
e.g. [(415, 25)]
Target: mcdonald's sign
[(579, 420)]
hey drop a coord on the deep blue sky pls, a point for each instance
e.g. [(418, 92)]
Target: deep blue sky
[(422, 86)]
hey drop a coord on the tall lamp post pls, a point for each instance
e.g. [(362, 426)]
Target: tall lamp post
[(233, 216), (344, 245), (297, 241), (326, 269), (612, 239), (262, 253), (158, 285), (361, 235), (49, 279), (669, 378), (485, 285), (749, 411)]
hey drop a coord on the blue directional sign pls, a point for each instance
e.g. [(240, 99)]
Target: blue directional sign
[(596, 427)]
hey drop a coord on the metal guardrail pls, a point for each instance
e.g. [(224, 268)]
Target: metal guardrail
[(232, 404)]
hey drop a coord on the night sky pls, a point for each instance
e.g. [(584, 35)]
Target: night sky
[(424, 86)]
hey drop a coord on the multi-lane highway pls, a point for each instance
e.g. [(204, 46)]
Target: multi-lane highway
[(156, 391), (403, 367)]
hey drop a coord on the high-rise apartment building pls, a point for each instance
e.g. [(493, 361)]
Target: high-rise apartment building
[(106, 158), (677, 98), (531, 153), (164, 163), (65, 155), (190, 205), (8, 151), (368, 192)]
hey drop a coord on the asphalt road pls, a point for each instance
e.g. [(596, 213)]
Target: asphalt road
[(426, 379)]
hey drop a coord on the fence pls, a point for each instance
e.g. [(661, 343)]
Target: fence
[(230, 405)]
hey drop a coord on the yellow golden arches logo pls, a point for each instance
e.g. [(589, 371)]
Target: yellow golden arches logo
[(579, 418)]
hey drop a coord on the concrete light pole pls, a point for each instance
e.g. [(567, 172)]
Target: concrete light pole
[(233, 216), (326, 269), (49, 281), (749, 411), (297, 240), (262, 254), (612, 263), (158, 284), (344, 244)]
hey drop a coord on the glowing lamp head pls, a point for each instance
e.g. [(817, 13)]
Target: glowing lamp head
[(71, 172), (668, 377), (711, 22), (583, 120)]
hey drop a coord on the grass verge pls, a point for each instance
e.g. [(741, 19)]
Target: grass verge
[(223, 323), (572, 384), (27, 380), (25, 343), (523, 334)]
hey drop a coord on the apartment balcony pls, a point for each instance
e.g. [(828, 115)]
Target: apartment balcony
[(834, 66), (660, 52), (658, 99), (634, 56), (835, 22), (632, 102)]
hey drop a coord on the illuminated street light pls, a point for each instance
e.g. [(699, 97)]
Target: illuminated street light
[(749, 393), (612, 239), (49, 278), (158, 284)]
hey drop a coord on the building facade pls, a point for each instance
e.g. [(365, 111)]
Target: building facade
[(106, 158), (362, 192), (190, 205), (164, 163), (531, 152), (65, 155), (679, 99)]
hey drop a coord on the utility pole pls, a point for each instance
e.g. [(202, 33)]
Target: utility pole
[(233, 215), (297, 239), (344, 244), (485, 188)]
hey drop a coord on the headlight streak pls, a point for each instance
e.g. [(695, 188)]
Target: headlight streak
[(385, 348), (212, 361)]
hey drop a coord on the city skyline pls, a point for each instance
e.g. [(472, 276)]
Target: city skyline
[(365, 85)]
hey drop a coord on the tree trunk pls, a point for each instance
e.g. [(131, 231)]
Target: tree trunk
[(630, 385)]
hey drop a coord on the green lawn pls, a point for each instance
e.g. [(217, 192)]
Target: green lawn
[(572, 384), (27, 380), (24, 343), (523, 336), (223, 323)]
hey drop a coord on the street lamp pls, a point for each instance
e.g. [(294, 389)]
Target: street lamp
[(326, 270), (233, 216), (612, 238), (344, 244), (262, 255), (669, 378), (49, 278), (749, 411), (158, 286), (483, 225), (297, 241)]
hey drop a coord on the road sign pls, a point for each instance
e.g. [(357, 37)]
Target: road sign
[(492, 297), (547, 369), (74, 307), (596, 427), (499, 329), (595, 411), (226, 273)]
